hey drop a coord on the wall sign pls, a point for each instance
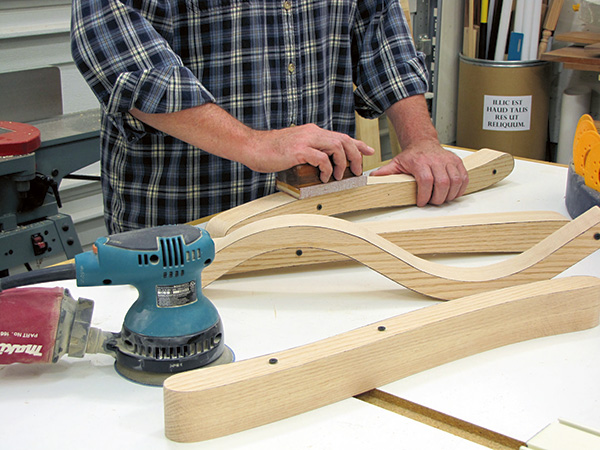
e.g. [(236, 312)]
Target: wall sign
[(502, 113)]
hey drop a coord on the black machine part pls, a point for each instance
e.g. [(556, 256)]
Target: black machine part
[(150, 360)]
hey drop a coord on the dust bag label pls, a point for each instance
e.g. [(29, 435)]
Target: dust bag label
[(501, 113)]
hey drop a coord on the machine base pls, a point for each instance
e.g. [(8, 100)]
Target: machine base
[(157, 379), (579, 197)]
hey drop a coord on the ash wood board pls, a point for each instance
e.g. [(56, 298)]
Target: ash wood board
[(578, 37), (551, 256), (212, 402), (573, 58), (511, 232), (485, 167)]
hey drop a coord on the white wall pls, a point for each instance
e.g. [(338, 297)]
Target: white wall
[(448, 47), (34, 34)]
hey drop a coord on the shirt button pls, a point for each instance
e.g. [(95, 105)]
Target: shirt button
[(287, 5), (291, 67)]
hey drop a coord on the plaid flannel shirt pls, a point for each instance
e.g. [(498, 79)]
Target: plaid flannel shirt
[(271, 64)]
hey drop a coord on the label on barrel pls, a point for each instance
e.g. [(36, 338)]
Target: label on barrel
[(507, 113)]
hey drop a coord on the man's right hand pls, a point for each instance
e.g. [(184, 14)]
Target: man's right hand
[(278, 150)]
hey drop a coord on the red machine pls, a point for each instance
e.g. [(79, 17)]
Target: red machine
[(18, 138)]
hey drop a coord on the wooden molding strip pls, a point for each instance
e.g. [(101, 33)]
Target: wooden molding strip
[(212, 402), (466, 430), (578, 37), (510, 232), (551, 256), (485, 167)]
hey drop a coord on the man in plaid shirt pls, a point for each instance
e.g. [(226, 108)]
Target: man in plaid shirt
[(203, 100)]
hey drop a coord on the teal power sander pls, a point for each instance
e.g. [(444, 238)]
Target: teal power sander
[(172, 327)]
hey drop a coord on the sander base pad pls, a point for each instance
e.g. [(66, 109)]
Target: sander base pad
[(157, 379)]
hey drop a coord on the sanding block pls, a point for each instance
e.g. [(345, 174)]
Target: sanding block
[(303, 181)]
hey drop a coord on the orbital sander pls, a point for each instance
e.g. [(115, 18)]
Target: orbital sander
[(171, 327)]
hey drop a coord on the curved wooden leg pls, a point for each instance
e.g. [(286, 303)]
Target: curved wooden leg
[(217, 401), (511, 232), (551, 256), (485, 167)]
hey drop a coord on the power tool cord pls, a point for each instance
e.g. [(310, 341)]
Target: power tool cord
[(62, 272)]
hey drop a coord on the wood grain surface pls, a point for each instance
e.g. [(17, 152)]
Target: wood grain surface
[(485, 167), (222, 400), (510, 232), (551, 256)]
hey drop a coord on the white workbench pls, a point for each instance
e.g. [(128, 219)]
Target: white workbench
[(515, 390)]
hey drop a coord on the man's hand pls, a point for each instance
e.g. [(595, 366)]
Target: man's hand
[(440, 174), (308, 144)]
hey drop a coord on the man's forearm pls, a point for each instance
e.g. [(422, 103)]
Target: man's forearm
[(440, 174), (208, 127), (411, 121), (214, 130)]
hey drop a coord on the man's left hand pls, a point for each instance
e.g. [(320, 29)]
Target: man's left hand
[(440, 174)]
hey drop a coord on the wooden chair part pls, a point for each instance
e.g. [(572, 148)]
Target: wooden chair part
[(549, 26), (212, 402), (511, 232), (486, 167), (557, 252), (367, 130)]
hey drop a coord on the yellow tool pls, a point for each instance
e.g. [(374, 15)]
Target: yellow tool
[(583, 176), (586, 152), (592, 168)]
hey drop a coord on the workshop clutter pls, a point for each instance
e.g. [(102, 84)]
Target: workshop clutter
[(517, 30), (503, 85), (503, 105)]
